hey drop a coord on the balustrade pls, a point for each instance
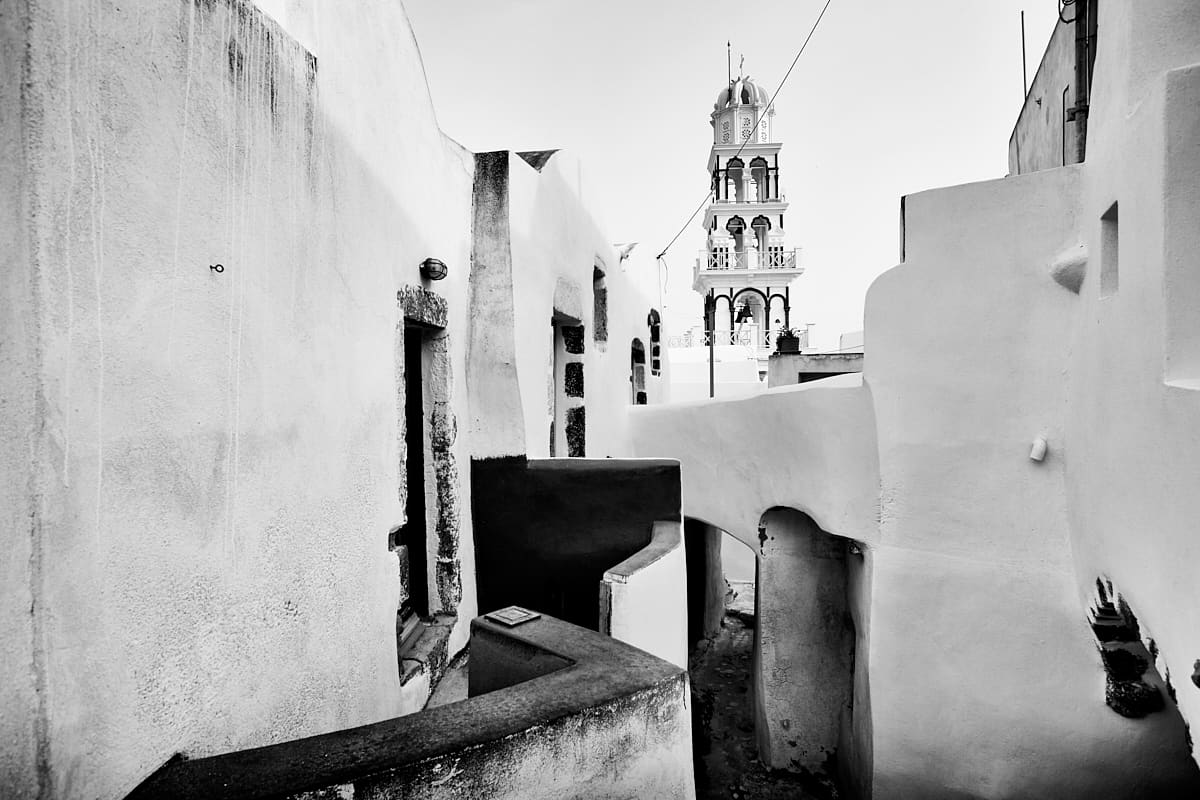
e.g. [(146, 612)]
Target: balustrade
[(724, 259), (749, 336)]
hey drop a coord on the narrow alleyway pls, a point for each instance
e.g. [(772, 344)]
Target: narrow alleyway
[(726, 756)]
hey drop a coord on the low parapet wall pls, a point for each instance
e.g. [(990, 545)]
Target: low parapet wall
[(643, 599), (573, 713), (785, 369)]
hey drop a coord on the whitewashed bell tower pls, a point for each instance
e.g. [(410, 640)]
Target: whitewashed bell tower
[(746, 270)]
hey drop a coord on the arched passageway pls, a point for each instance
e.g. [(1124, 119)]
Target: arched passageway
[(721, 634), (705, 580)]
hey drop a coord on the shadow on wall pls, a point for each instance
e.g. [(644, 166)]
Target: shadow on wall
[(546, 530), (1134, 688), (705, 580), (812, 710)]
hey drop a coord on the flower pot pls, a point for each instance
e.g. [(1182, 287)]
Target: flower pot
[(787, 344)]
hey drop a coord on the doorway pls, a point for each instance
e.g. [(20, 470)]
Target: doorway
[(412, 537)]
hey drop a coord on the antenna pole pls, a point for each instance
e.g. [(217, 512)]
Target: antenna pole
[(728, 63)]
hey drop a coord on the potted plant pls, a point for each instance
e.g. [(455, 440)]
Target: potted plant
[(788, 341)]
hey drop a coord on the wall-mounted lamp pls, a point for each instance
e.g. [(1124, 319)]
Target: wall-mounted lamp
[(433, 269), (1038, 451)]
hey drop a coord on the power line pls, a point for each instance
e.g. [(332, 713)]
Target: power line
[(757, 120)]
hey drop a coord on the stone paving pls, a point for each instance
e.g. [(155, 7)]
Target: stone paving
[(727, 764)]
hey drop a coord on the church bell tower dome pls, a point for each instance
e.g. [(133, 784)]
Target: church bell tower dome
[(741, 113), (742, 92)]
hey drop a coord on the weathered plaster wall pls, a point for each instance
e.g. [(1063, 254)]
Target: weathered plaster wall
[(639, 746), (22, 667), (1037, 141), (974, 538), (1135, 412), (982, 674), (216, 452), (537, 244), (498, 418), (557, 242)]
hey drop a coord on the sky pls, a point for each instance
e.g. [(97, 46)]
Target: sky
[(890, 97)]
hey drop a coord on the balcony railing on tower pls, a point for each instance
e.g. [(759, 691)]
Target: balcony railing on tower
[(720, 259), (747, 336)]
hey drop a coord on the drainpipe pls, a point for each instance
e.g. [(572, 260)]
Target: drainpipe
[(1064, 123)]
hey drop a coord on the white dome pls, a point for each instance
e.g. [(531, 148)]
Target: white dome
[(743, 91)]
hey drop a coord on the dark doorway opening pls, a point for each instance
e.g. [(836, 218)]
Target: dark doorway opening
[(412, 535)]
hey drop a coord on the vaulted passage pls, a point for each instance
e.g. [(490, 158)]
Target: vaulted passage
[(721, 636)]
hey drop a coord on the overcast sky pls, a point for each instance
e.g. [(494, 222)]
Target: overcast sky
[(890, 98)]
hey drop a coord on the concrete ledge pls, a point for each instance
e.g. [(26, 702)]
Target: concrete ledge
[(577, 674), (665, 537), (784, 369)]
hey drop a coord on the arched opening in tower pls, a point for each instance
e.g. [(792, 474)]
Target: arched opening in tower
[(762, 228), (734, 180), (750, 317), (736, 228), (760, 178)]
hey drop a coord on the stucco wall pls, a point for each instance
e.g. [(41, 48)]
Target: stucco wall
[(734, 467), (1037, 141), (554, 711), (557, 242), (1135, 421), (22, 669), (217, 463), (974, 534), (537, 244)]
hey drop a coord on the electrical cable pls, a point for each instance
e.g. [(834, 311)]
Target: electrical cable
[(757, 120)]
